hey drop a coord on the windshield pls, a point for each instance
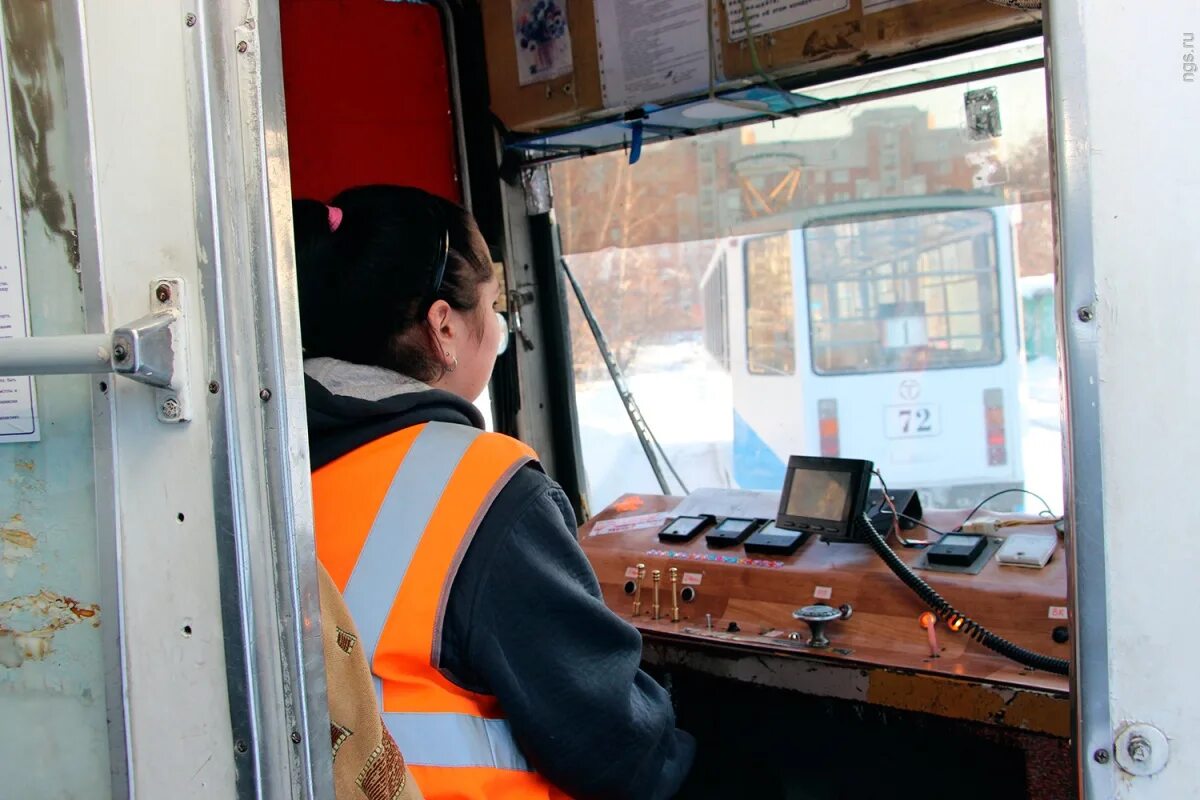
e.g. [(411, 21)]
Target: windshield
[(872, 281)]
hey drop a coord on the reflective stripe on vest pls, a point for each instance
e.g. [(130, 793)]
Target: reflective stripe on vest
[(455, 740), (426, 738), (399, 525)]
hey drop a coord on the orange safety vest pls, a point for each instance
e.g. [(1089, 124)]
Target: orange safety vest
[(393, 520)]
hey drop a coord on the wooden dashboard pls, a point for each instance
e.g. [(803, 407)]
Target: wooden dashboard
[(737, 618)]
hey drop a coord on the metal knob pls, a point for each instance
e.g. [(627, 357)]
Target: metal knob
[(817, 617)]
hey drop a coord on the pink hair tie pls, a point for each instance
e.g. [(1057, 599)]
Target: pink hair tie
[(335, 218)]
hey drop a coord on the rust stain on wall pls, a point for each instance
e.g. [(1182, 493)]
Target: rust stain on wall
[(24, 478), (18, 538), (35, 74), (28, 624), (16, 544)]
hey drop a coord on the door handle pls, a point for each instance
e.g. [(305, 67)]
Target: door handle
[(151, 350)]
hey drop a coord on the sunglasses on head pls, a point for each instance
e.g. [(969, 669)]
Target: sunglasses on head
[(441, 256)]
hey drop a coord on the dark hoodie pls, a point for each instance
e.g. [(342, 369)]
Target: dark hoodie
[(525, 621)]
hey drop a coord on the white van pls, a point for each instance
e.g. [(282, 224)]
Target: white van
[(885, 329)]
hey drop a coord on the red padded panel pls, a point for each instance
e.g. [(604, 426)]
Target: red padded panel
[(368, 98)]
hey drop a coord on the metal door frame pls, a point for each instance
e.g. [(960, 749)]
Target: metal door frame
[(244, 620)]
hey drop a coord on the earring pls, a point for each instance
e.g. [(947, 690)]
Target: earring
[(453, 366)]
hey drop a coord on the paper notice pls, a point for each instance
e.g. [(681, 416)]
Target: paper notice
[(543, 40), (18, 406), (622, 524), (771, 15), (737, 503), (651, 50)]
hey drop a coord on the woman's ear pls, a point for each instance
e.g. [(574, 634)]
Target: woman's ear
[(442, 331), (439, 319)]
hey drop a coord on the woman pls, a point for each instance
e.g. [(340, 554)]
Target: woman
[(501, 671)]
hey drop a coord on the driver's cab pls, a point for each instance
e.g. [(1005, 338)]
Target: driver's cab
[(937, 236)]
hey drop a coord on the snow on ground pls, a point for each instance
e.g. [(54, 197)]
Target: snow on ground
[(686, 402), (686, 399), (1041, 439)]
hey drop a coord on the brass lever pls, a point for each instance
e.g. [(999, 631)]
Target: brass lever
[(674, 594), (657, 577), (637, 592)]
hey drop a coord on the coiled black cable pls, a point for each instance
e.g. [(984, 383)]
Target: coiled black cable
[(954, 619)]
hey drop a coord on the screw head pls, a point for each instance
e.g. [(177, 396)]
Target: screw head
[(190, 19), (242, 47), (170, 408), (213, 387), (1100, 756), (296, 737), (163, 292), (240, 746), (264, 395), (1085, 314), (120, 352), (1139, 749)]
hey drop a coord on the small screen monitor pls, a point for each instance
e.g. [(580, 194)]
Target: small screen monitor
[(734, 525), (819, 494), (824, 496), (683, 529)]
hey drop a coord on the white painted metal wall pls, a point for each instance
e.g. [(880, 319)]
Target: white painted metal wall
[(1126, 111)]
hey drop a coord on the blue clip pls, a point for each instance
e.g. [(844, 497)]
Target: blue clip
[(635, 146)]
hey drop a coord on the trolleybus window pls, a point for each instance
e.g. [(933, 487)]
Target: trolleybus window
[(770, 318), (891, 294)]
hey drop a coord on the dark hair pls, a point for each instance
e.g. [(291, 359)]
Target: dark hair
[(365, 287)]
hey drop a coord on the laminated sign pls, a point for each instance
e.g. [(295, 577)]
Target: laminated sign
[(18, 406)]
